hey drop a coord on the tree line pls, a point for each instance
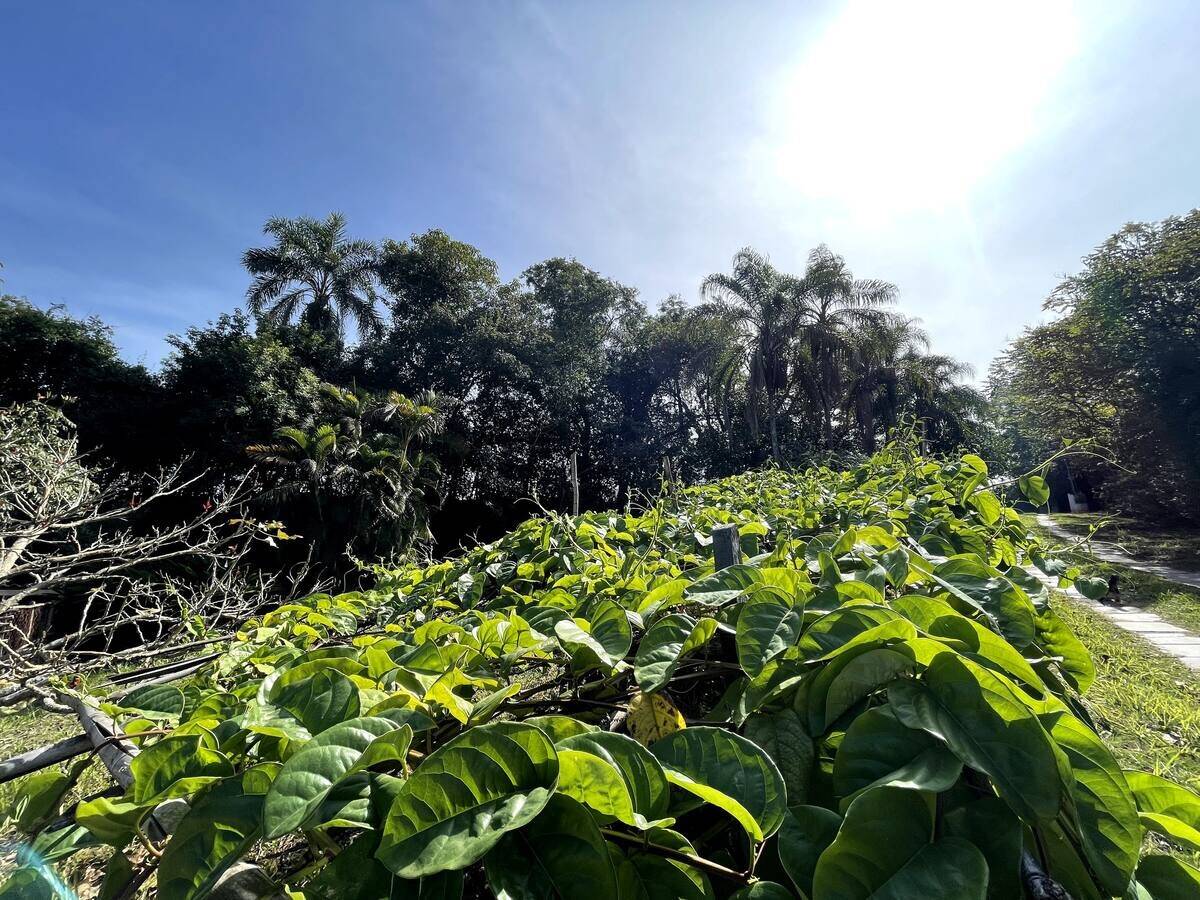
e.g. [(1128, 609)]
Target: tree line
[(397, 390), (1116, 374)]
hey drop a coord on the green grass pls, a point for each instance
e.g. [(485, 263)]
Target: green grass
[(1146, 704), (1178, 547), (1176, 603)]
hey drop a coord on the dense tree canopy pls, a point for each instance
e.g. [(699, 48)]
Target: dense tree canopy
[(1120, 367), (770, 366)]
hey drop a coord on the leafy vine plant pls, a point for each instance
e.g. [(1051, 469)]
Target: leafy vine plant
[(878, 700)]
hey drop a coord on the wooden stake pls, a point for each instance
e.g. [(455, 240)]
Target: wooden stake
[(574, 484), (727, 548)]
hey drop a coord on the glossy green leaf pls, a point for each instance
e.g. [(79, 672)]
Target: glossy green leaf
[(878, 749), (782, 737), (560, 854), (1092, 587), (766, 626), (220, 826), (645, 875), (559, 727), (885, 849), (850, 678), (639, 769), (1059, 641), (155, 701), (728, 771), (1103, 804), (1035, 489), (307, 777), (176, 766), (1168, 878), (465, 796), (995, 830), (1166, 808), (982, 719), (805, 833), (355, 873), (985, 588), (318, 701), (665, 644)]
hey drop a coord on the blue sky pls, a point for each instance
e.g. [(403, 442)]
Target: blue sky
[(971, 153)]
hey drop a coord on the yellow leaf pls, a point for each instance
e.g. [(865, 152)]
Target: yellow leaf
[(651, 717)]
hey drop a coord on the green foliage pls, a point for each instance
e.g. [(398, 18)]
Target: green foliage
[(1119, 367), (846, 726)]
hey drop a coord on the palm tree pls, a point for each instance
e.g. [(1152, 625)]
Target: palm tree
[(314, 272), (830, 306), (370, 488), (878, 354), (759, 298), (930, 390)]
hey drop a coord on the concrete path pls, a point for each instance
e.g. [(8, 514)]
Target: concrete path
[(1170, 573), (1162, 635)]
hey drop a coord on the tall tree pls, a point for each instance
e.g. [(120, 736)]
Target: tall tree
[(358, 480), (830, 305), (873, 370), (762, 299), (74, 363), (1121, 365), (314, 272)]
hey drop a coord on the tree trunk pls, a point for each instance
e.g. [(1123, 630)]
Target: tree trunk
[(773, 424)]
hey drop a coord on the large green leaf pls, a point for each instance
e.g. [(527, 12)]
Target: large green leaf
[(176, 766), (560, 727), (885, 849), (1168, 878), (878, 749), (644, 875), (986, 647), (980, 716), (465, 796), (724, 585), (1103, 804), (848, 679), (215, 832), (596, 784), (1166, 808), (841, 626), (985, 588), (155, 701), (766, 626), (603, 641), (560, 854), (665, 644), (639, 769), (991, 826), (783, 737), (308, 776), (1059, 641), (318, 700), (728, 771), (805, 833), (1035, 489)]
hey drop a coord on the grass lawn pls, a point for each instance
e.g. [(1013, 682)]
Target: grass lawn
[(1176, 603), (1178, 547)]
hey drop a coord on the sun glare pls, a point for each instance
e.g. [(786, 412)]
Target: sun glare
[(901, 106)]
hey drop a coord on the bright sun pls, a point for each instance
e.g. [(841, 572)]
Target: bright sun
[(901, 106)]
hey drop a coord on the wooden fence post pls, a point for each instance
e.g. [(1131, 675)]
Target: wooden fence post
[(574, 484), (727, 548)]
